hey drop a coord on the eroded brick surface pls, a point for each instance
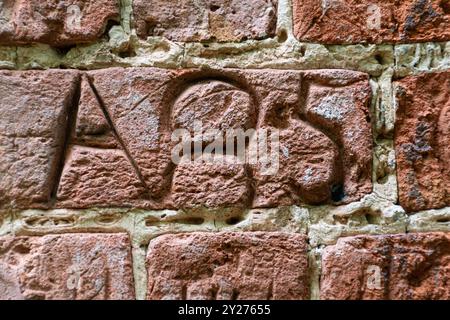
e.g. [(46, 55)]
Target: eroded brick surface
[(63, 267), (398, 267), (228, 266), (373, 21), (422, 140), (192, 20), (34, 108), (119, 152), (55, 22), (325, 152)]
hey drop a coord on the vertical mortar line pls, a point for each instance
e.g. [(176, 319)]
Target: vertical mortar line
[(314, 272), (16, 58), (126, 14), (393, 101), (184, 55), (138, 257), (285, 17), (12, 222)]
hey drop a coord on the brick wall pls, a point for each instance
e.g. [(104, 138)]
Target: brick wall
[(93, 205)]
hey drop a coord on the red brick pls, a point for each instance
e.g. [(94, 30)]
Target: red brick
[(192, 20), (53, 22), (66, 267), (97, 170), (34, 107), (388, 267), (119, 151), (99, 178), (211, 185), (422, 141), (355, 21), (146, 105), (226, 266)]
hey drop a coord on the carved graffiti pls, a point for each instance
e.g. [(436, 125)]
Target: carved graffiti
[(121, 122)]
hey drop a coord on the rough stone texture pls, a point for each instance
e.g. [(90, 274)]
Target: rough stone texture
[(397, 267), (371, 21), (59, 23), (117, 126), (99, 178), (89, 151), (92, 128), (227, 266), (325, 154), (205, 20), (422, 141), (34, 108), (212, 185), (63, 267), (133, 100)]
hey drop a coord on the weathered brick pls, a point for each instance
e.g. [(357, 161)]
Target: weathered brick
[(58, 23), (397, 267), (66, 267), (97, 170), (34, 107), (119, 149), (226, 266), (205, 20), (325, 160), (371, 21), (422, 141)]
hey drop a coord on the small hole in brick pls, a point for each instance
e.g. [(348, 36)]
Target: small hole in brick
[(233, 220), (22, 249), (371, 219), (214, 7), (283, 36), (443, 220), (150, 28), (127, 54), (379, 58), (64, 50), (109, 25), (337, 192)]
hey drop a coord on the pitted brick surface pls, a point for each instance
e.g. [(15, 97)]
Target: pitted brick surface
[(119, 141), (396, 267), (206, 20), (34, 109), (371, 21), (224, 266), (422, 140), (58, 23), (66, 267)]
